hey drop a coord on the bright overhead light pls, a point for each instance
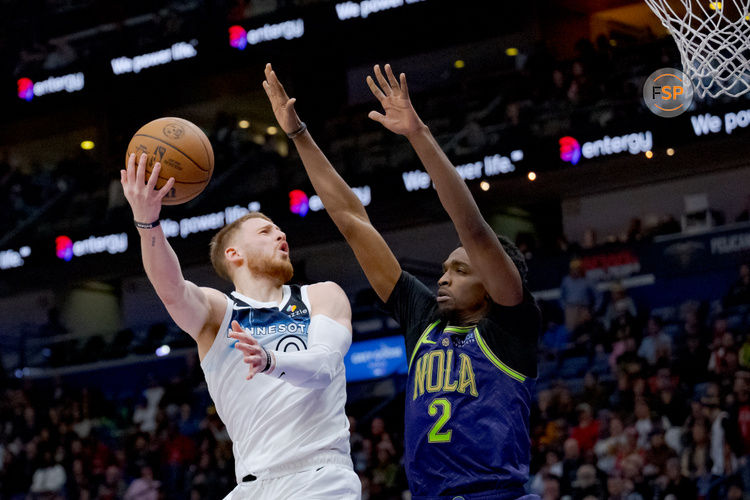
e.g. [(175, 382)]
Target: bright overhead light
[(243, 124), (670, 152), (459, 63), (531, 176), (272, 130), (87, 145), (484, 185), (649, 154), (511, 51)]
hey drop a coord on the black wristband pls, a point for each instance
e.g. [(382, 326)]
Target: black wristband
[(299, 131), (146, 225), (268, 360)]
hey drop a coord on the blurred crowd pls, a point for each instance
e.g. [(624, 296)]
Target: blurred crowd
[(633, 403), (636, 403), (59, 442)]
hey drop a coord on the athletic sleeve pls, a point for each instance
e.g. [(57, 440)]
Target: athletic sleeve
[(413, 305), (316, 367), (513, 333)]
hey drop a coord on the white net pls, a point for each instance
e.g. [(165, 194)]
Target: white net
[(714, 42)]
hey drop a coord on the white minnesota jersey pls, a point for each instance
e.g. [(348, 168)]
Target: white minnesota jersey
[(273, 424)]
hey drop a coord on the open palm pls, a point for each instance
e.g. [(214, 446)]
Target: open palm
[(393, 95)]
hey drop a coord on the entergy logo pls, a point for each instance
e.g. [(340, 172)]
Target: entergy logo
[(237, 37), (298, 202), (570, 150)]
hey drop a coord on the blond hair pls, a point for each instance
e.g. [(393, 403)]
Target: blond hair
[(222, 240)]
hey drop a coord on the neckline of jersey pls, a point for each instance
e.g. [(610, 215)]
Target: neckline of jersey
[(286, 294)]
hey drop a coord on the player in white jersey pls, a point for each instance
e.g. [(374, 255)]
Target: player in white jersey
[(272, 354)]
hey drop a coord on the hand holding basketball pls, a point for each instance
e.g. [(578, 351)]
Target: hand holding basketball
[(144, 199), (283, 106), (183, 151)]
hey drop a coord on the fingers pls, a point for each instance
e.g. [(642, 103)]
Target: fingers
[(249, 349), (375, 89), (404, 88), (378, 117), (123, 177), (131, 169), (165, 188), (391, 78), (384, 86), (140, 173), (151, 184), (240, 334)]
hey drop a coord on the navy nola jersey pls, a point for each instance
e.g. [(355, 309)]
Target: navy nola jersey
[(468, 396), (467, 417)]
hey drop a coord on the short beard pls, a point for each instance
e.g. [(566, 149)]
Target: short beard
[(282, 270), (447, 315)]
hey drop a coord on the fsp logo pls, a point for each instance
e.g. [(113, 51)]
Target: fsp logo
[(668, 92)]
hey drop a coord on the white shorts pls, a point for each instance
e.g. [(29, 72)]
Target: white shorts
[(326, 482)]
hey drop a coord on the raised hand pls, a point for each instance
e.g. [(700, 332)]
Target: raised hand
[(283, 106), (253, 354), (393, 95), (144, 200)]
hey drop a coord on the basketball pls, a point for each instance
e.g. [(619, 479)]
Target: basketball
[(184, 152)]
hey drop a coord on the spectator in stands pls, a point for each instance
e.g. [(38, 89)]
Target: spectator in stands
[(658, 453), (723, 460), (670, 404), (644, 423), (620, 307), (594, 394), (691, 365), (656, 345), (550, 488), (48, 479), (739, 292), (578, 296), (723, 348), (607, 449), (675, 483), (587, 430), (571, 462), (696, 459), (587, 483)]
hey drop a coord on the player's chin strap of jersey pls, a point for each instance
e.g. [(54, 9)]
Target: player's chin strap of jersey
[(315, 368)]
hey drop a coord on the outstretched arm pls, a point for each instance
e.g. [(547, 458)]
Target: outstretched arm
[(377, 261), (194, 309), (328, 337), (499, 275)]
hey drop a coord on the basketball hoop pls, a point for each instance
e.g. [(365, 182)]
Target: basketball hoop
[(714, 42)]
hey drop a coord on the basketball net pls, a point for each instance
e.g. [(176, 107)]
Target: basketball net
[(714, 42)]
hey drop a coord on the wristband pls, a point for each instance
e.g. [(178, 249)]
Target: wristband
[(146, 225), (299, 131), (268, 360)]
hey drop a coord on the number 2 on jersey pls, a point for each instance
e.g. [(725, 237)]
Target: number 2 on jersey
[(437, 435)]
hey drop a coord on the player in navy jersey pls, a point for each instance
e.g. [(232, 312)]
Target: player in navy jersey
[(472, 348), (272, 354)]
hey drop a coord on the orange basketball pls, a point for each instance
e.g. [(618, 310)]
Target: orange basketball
[(184, 152)]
